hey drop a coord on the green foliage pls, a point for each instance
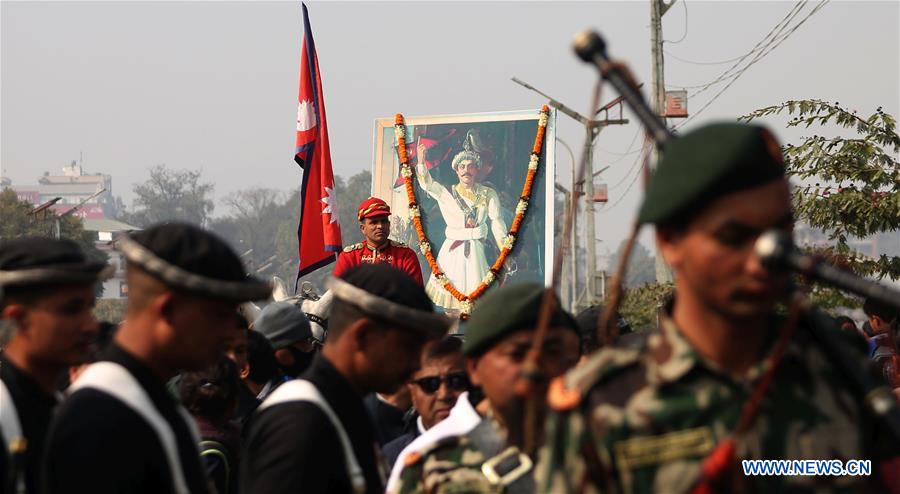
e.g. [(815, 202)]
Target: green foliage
[(110, 310), (171, 195), (16, 220), (849, 186), (640, 305)]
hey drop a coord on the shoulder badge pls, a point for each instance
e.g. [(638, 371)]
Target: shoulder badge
[(351, 248), (398, 244), (562, 398), (412, 458)]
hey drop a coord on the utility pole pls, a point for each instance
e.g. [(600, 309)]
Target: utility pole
[(657, 9), (592, 127)]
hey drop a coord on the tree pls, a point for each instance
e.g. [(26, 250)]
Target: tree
[(640, 305), (265, 220), (641, 265), (258, 215), (171, 195), (349, 195), (111, 310), (356, 190), (849, 186), (16, 220)]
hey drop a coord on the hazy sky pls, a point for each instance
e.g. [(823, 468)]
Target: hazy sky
[(213, 85)]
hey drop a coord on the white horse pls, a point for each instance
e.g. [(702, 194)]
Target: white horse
[(316, 307)]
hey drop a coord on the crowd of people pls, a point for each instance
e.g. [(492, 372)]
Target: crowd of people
[(192, 393)]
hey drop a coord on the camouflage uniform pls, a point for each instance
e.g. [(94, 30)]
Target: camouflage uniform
[(643, 420), (455, 465), (481, 461)]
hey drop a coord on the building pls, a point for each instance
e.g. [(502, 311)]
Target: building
[(72, 187), (106, 232)]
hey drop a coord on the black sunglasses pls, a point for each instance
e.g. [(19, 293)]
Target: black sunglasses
[(458, 381)]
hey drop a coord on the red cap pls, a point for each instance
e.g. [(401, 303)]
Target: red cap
[(373, 207)]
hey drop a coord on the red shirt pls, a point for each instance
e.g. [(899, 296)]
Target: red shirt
[(395, 253)]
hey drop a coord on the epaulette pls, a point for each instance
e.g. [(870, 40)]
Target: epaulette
[(567, 391), (415, 457), (398, 244), (351, 248)]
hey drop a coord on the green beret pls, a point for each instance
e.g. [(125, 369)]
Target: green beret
[(708, 163), (505, 310)]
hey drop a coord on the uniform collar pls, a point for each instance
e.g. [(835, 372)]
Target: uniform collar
[(149, 380), (671, 357), (376, 249)]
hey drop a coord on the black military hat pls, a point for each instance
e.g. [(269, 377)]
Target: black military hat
[(28, 261), (508, 309), (387, 293), (708, 163), (187, 257)]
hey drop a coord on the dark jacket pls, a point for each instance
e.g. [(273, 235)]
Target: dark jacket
[(34, 406), (293, 447), (393, 449), (98, 444), (220, 449), (390, 422)]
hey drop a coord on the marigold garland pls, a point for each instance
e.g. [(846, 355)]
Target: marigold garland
[(467, 301)]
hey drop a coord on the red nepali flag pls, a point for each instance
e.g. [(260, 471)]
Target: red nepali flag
[(319, 232)]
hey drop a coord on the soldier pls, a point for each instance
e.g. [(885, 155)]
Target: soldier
[(498, 337), (48, 290), (312, 434), (665, 417), (120, 430), (375, 224)]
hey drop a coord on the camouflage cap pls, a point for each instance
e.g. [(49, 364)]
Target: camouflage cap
[(708, 163), (505, 310)]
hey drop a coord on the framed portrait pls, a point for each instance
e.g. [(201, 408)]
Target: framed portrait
[(468, 175)]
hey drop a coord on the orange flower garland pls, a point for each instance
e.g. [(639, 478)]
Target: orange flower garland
[(467, 301)]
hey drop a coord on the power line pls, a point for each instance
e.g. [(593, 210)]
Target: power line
[(640, 160), (759, 48), (683, 2), (773, 33), (630, 151), (755, 59), (676, 57), (627, 174)]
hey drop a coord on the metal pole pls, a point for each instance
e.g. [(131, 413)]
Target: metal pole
[(573, 246), (589, 227), (657, 9), (592, 127)]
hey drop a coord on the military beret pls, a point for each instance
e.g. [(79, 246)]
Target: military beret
[(384, 292), (187, 257), (708, 163), (508, 309), (27, 261), (283, 324), (372, 207)]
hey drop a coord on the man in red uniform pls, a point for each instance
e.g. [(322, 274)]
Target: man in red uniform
[(375, 224)]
